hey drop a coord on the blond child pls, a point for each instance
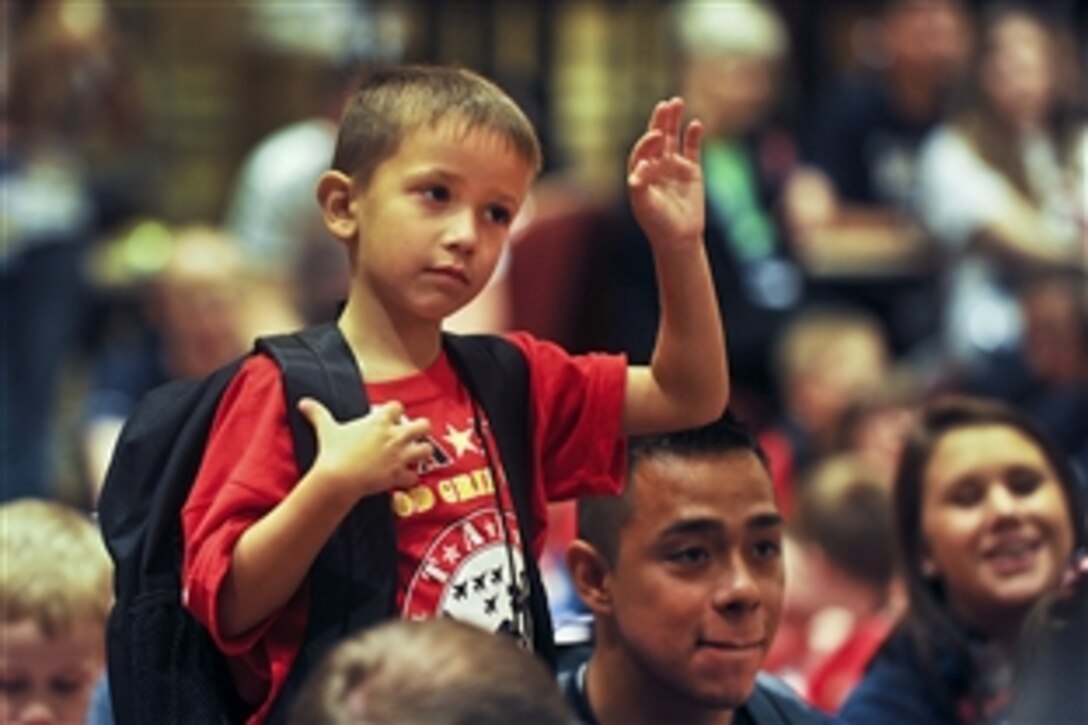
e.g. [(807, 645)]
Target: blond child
[(431, 167), (55, 594)]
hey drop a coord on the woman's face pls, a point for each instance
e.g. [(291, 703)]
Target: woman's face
[(996, 528), (1018, 72)]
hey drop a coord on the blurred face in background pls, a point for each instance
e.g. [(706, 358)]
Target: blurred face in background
[(731, 94), (1017, 71), (929, 39)]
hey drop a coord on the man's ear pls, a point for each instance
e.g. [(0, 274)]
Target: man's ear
[(334, 194), (591, 575)]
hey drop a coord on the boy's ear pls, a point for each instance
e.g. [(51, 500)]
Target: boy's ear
[(591, 575), (334, 194)]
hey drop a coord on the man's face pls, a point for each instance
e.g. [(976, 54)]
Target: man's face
[(696, 590)]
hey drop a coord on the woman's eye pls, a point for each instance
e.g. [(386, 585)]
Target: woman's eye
[(1024, 481), (966, 495)]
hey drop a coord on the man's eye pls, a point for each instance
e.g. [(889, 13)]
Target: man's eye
[(767, 549), (690, 555)]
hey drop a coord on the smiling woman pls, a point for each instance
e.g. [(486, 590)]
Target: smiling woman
[(988, 516)]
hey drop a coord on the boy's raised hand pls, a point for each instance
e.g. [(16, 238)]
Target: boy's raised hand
[(377, 452), (665, 180)]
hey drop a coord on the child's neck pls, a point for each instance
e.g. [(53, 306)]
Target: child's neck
[(385, 349)]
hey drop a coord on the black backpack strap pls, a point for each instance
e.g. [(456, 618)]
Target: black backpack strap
[(497, 375), (353, 580)]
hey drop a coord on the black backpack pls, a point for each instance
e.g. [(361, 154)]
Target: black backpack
[(163, 666)]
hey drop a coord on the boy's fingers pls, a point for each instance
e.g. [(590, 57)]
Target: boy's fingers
[(392, 411), (650, 144), (693, 139), (313, 411)]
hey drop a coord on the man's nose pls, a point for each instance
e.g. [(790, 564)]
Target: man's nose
[(736, 590)]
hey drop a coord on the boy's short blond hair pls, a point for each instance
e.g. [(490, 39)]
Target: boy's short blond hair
[(391, 102), (54, 569)]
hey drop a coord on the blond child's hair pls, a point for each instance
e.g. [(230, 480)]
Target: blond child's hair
[(54, 569), (392, 102)]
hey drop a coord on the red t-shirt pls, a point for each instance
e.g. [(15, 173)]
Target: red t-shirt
[(454, 551)]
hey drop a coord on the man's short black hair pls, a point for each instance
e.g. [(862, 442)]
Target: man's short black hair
[(600, 518)]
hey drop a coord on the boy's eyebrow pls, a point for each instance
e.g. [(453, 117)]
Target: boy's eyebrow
[(693, 526), (449, 176)]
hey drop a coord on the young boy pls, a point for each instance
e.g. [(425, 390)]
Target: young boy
[(55, 595), (431, 166)]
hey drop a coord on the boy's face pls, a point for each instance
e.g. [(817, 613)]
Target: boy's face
[(433, 220), (696, 590), (47, 680)]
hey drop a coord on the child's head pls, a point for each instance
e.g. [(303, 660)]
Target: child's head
[(826, 358), (391, 103), (430, 170), (55, 595)]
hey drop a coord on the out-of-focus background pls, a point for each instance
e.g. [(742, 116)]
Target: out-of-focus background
[(896, 206)]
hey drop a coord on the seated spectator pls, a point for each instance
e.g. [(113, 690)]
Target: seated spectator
[(988, 515), (431, 672), (55, 595), (683, 574), (842, 598), (848, 208), (1002, 184), (1047, 374), (826, 359)]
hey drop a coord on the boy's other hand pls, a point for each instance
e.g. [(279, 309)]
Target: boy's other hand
[(377, 452), (665, 180)]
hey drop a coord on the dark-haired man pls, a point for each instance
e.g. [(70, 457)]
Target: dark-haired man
[(684, 576)]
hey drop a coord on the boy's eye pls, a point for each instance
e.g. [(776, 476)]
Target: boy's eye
[(13, 686), (437, 193), (500, 215), (65, 686)]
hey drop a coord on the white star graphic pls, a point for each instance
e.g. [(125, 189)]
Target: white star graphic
[(450, 554), (461, 440)]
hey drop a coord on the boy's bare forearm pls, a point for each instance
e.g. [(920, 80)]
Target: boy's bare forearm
[(687, 383), (273, 556)]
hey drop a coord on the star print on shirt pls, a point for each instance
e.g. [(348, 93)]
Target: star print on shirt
[(461, 440)]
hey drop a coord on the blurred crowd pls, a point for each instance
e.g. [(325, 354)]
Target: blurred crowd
[(918, 227)]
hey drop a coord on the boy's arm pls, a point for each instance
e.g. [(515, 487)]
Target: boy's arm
[(687, 381), (271, 559)]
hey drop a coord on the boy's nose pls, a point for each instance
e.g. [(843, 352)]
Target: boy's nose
[(461, 232)]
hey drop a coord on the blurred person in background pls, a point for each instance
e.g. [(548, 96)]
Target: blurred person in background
[(55, 593), (825, 360), (728, 62), (71, 114), (1002, 184), (988, 515), (842, 599), (430, 672), (848, 208), (199, 313), (1046, 375)]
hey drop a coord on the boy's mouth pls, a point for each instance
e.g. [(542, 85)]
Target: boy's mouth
[(451, 271)]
